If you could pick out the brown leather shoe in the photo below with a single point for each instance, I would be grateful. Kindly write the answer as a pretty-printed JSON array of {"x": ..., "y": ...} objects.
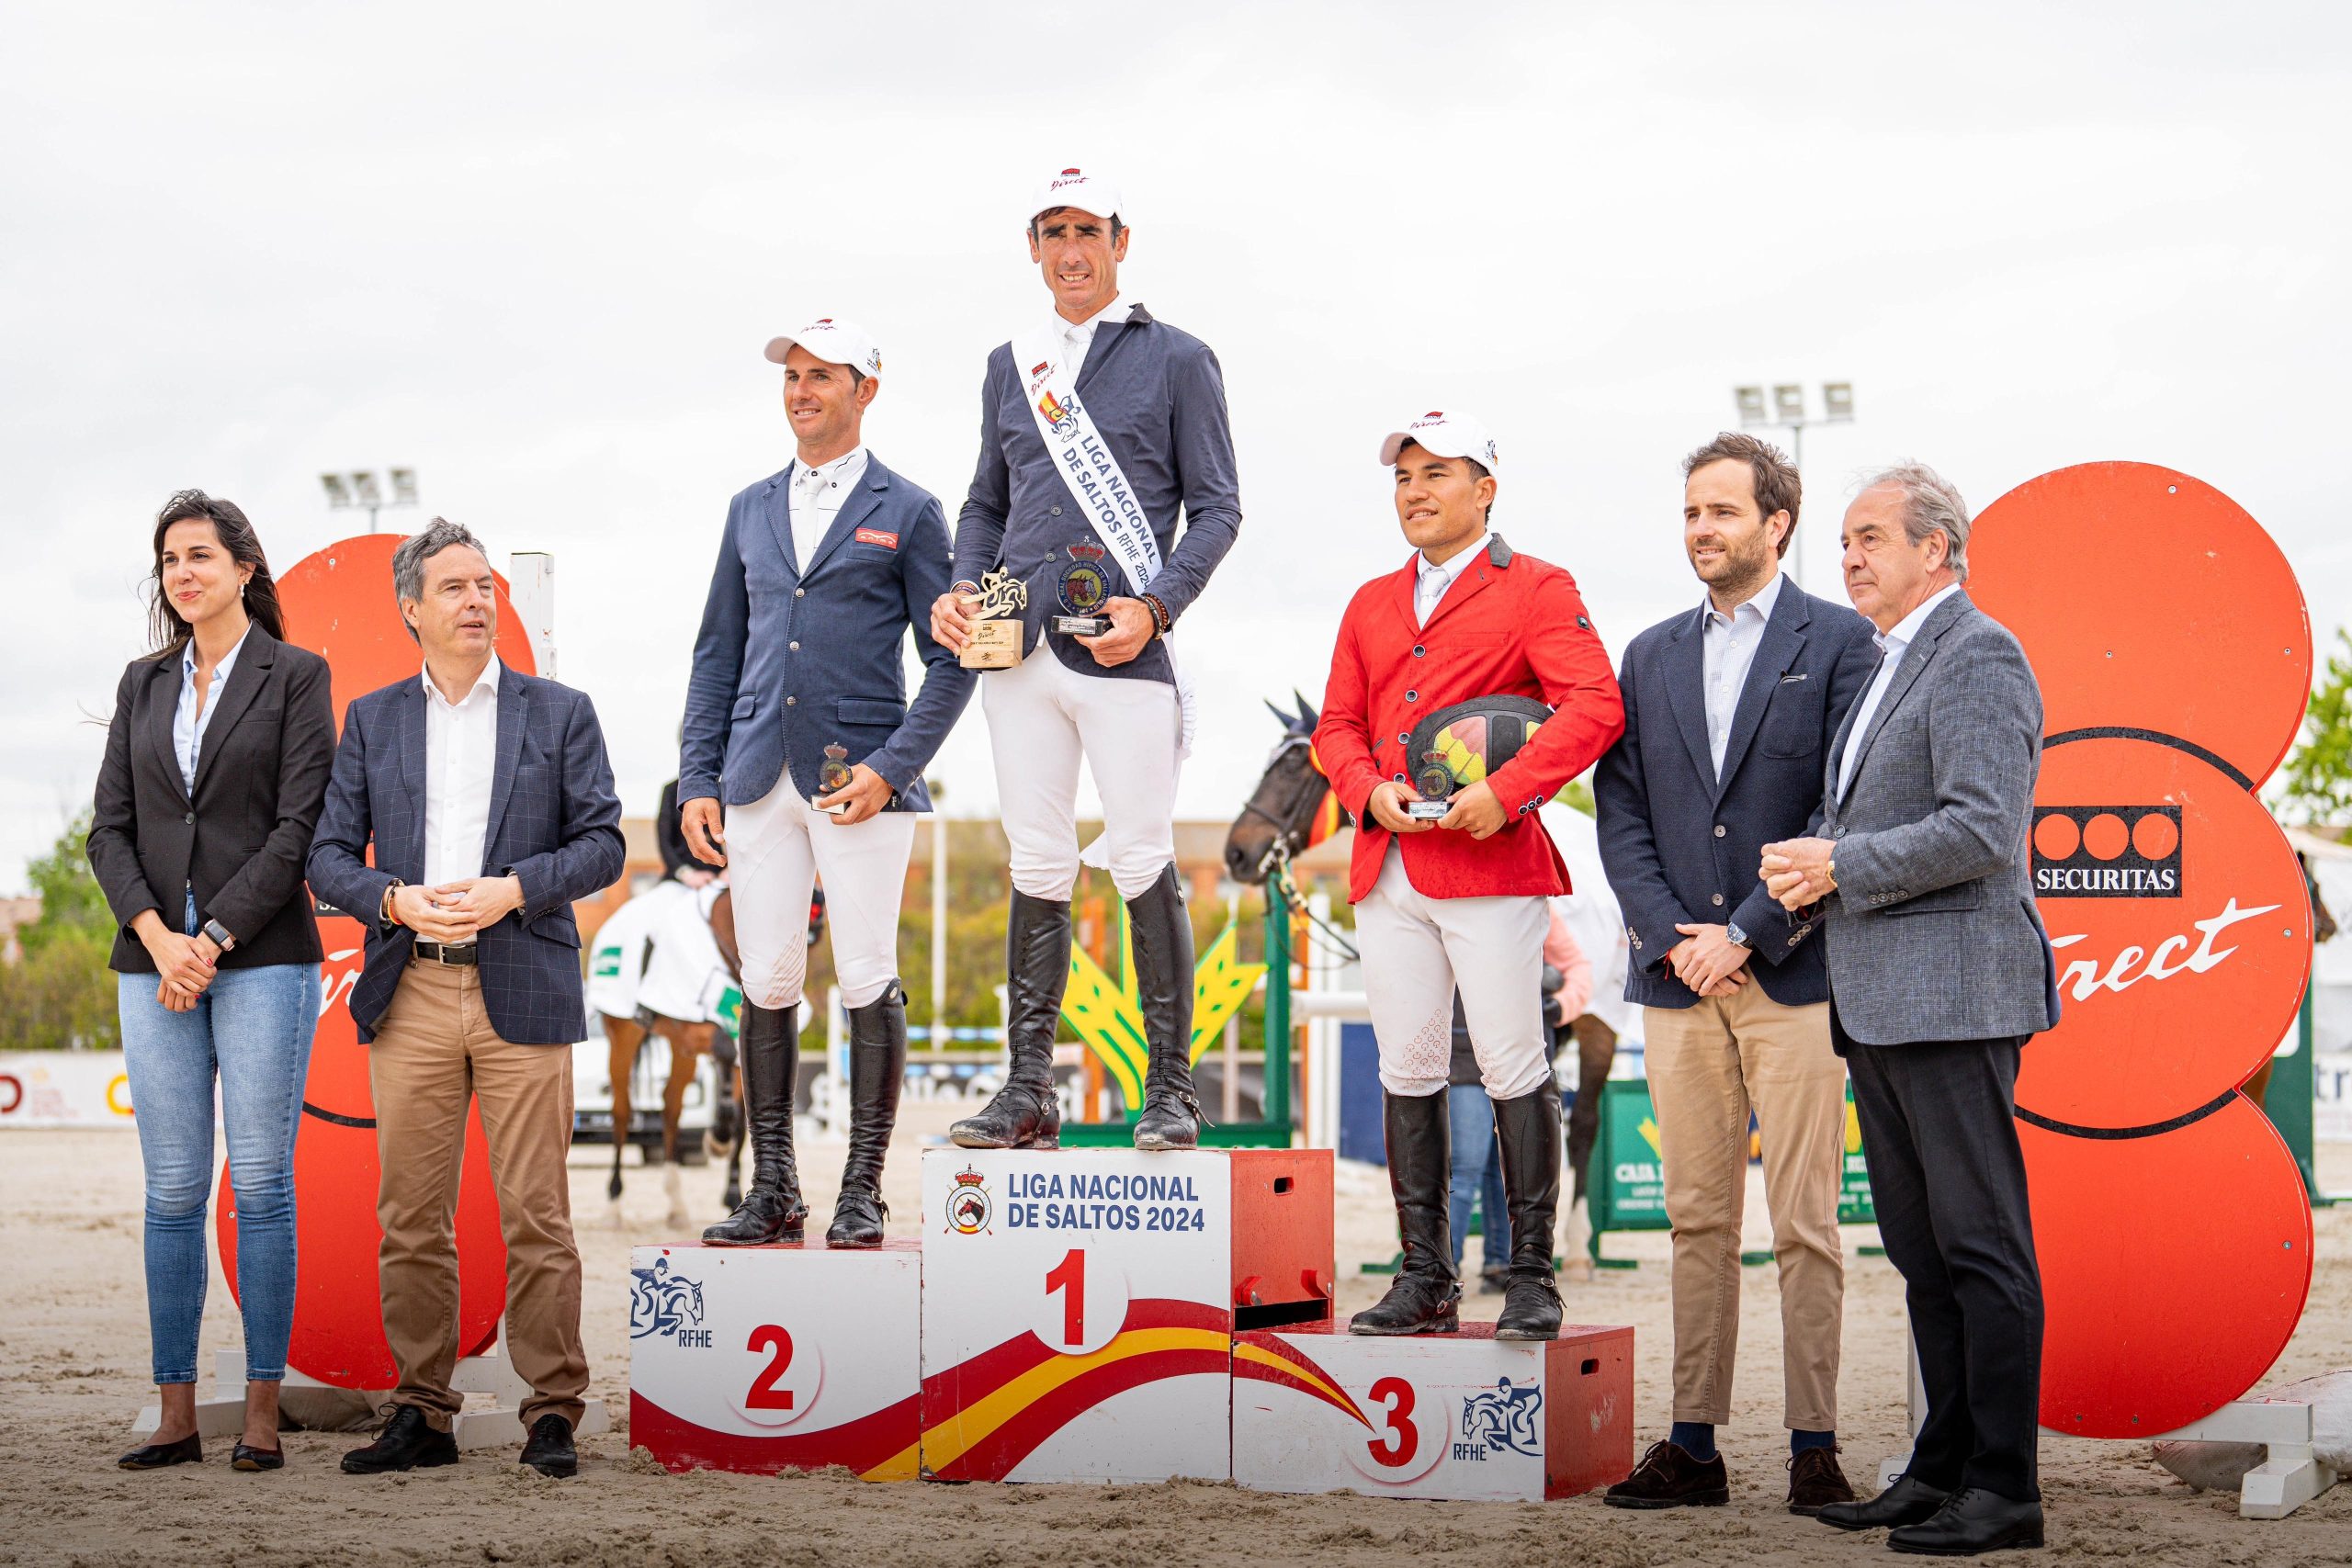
[
  {"x": 1815, "y": 1481},
  {"x": 1668, "y": 1477}
]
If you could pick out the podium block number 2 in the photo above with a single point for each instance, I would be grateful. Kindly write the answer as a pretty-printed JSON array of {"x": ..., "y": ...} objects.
[
  {"x": 764, "y": 1394},
  {"x": 1068, "y": 1277}
]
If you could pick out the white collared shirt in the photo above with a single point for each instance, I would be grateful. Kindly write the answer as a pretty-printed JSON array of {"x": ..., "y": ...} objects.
[
  {"x": 194, "y": 715},
  {"x": 460, "y": 760},
  {"x": 1729, "y": 645},
  {"x": 1892, "y": 646},
  {"x": 1075, "y": 338},
  {"x": 1430, "y": 580},
  {"x": 817, "y": 496}
]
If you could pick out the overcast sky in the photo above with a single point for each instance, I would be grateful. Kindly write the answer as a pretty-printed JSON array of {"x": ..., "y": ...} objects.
[{"x": 534, "y": 253}]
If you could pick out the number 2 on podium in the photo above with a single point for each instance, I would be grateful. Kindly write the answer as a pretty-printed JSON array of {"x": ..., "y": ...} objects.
[
  {"x": 764, "y": 1394},
  {"x": 1068, "y": 1277}
]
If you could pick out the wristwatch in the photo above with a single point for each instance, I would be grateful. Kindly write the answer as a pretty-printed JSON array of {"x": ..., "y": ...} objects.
[
  {"x": 219, "y": 935},
  {"x": 1731, "y": 930}
]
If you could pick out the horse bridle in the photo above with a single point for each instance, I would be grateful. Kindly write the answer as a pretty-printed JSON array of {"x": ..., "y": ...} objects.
[{"x": 1279, "y": 851}]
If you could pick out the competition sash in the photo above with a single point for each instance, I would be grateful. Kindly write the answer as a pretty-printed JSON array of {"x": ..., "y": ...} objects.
[{"x": 1089, "y": 470}]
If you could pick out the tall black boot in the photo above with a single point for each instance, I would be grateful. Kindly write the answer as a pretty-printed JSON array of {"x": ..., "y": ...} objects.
[
  {"x": 772, "y": 1210},
  {"x": 1162, "y": 936},
  {"x": 1528, "y": 1130},
  {"x": 878, "y": 1065},
  {"x": 1426, "y": 1297},
  {"x": 1024, "y": 1115}
]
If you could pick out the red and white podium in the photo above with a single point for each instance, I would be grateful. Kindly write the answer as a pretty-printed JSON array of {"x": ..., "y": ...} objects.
[
  {"x": 765, "y": 1359},
  {"x": 1101, "y": 1314},
  {"x": 1461, "y": 1415}
]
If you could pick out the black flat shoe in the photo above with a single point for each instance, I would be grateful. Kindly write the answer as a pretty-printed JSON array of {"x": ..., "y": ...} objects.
[
  {"x": 155, "y": 1456},
  {"x": 247, "y": 1457}
]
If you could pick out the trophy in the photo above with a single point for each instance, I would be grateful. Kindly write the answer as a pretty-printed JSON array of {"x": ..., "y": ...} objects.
[
  {"x": 1433, "y": 781},
  {"x": 834, "y": 775},
  {"x": 995, "y": 640},
  {"x": 1083, "y": 589}
]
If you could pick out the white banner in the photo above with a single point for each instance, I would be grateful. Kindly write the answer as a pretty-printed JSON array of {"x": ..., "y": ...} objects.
[{"x": 64, "y": 1089}]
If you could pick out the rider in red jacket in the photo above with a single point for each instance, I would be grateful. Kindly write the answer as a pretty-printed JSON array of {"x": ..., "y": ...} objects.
[{"x": 1457, "y": 902}]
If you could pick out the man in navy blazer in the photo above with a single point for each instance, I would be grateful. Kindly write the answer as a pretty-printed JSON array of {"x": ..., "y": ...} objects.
[
  {"x": 797, "y": 720},
  {"x": 489, "y": 799},
  {"x": 1729, "y": 710}
]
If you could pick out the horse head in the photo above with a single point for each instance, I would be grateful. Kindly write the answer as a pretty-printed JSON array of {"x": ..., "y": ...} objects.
[{"x": 1292, "y": 808}]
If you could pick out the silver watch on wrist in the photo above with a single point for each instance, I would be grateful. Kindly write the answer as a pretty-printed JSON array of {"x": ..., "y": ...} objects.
[{"x": 1731, "y": 930}]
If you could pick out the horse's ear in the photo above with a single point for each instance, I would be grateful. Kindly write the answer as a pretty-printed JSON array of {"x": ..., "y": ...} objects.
[
  {"x": 1288, "y": 723},
  {"x": 1308, "y": 717}
]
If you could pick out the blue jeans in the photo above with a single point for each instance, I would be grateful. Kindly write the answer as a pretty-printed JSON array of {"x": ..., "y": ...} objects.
[
  {"x": 1478, "y": 1173},
  {"x": 252, "y": 1027}
]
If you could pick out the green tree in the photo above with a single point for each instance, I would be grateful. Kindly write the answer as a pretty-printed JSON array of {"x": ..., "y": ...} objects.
[
  {"x": 2317, "y": 784},
  {"x": 61, "y": 995}
]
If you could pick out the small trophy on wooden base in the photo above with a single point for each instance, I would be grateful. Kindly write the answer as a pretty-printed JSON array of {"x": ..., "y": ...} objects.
[{"x": 995, "y": 640}]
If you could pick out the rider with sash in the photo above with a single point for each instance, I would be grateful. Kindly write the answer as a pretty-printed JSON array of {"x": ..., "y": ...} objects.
[
  {"x": 796, "y": 718},
  {"x": 1467, "y": 688},
  {"x": 1099, "y": 425}
]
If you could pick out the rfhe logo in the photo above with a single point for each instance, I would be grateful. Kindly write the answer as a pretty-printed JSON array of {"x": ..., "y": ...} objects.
[
  {"x": 2106, "y": 851},
  {"x": 666, "y": 1305}
]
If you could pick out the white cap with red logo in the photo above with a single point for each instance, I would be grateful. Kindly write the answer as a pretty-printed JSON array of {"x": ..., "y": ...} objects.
[
  {"x": 1076, "y": 187},
  {"x": 833, "y": 339},
  {"x": 1448, "y": 434}
]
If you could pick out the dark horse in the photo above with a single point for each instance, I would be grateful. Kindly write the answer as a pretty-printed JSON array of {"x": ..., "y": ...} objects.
[{"x": 1291, "y": 810}]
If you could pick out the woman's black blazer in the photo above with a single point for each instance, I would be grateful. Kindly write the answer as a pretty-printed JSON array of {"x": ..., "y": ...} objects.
[{"x": 261, "y": 777}]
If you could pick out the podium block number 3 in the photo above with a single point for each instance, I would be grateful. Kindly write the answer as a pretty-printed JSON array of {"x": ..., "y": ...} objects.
[{"x": 1395, "y": 1447}]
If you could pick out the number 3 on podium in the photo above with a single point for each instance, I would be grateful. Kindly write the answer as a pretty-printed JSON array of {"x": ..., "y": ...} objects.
[{"x": 1395, "y": 1447}]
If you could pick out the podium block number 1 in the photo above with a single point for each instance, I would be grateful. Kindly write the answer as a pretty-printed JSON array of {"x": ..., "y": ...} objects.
[{"x": 1068, "y": 1277}]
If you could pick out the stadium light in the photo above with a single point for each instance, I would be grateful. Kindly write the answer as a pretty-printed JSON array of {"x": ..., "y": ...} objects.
[
  {"x": 357, "y": 488},
  {"x": 1787, "y": 412}
]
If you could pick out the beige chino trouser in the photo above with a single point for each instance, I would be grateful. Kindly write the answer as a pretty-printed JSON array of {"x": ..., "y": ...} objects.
[
  {"x": 434, "y": 1050},
  {"x": 1707, "y": 1064}
]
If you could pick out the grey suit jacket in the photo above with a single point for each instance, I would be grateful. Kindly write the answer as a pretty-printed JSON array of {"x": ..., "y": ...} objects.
[{"x": 1933, "y": 933}]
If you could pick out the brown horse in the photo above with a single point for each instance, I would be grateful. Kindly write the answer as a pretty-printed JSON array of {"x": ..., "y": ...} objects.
[
  {"x": 1291, "y": 809},
  {"x": 687, "y": 1042}
]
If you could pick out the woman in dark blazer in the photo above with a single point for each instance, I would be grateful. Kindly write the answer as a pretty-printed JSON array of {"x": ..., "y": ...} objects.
[{"x": 216, "y": 766}]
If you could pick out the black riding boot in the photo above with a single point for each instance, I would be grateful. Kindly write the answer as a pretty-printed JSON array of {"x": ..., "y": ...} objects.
[
  {"x": 878, "y": 1065},
  {"x": 772, "y": 1210},
  {"x": 1163, "y": 961},
  {"x": 1024, "y": 1115},
  {"x": 1528, "y": 1131},
  {"x": 1425, "y": 1298}
]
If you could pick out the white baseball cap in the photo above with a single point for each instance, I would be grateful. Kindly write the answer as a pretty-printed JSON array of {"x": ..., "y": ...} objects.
[
  {"x": 1449, "y": 434},
  {"x": 835, "y": 340},
  {"x": 1076, "y": 187}
]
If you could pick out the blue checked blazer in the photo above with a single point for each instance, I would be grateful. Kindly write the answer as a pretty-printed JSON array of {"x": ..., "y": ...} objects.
[
  {"x": 555, "y": 824},
  {"x": 1681, "y": 848}
]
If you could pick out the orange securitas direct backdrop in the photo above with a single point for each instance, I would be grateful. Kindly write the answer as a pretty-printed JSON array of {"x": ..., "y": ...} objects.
[
  {"x": 2175, "y": 658},
  {"x": 339, "y": 604}
]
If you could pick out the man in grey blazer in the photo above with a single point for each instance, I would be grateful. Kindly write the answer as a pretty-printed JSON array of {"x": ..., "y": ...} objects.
[{"x": 1939, "y": 971}]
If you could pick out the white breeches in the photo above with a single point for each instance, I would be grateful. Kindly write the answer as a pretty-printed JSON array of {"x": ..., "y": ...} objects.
[
  {"x": 776, "y": 849},
  {"x": 1043, "y": 716},
  {"x": 1418, "y": 952}
]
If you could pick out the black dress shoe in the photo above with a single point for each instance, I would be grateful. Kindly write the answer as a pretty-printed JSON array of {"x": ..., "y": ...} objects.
[
  {"x": 1907, "y": 1501},
  {"x": 1668, "y": 1477},
  {"x": 155, "y": 1456},
  {"x": 1975, "y": 1520},
  {"x": 407, "y": 1442},
  {"x": 247, "y": 1457},
  {"x": 550, "y": 1449}
]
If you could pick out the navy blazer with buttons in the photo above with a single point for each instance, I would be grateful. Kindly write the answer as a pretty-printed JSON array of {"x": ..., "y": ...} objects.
[
  {"x": 1681, "y": 849},
  {"x": 555, "y": 825},
  {"x": 793, "y": 658}
]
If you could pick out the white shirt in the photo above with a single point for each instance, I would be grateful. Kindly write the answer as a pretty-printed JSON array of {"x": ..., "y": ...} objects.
[
  {"x": 460, "y": 755},
  {"x": 1892, "y": 646},
  {"x": 1729, "y": 648},
  {"x": 189, "y": 724},
  {"x": 1430, "y": 580},
  {"x": 1075, "y": 338},
  {"x": 817, "y": 497}
]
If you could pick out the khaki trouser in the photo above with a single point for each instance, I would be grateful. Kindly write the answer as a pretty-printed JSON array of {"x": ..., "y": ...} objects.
[
  {"x": 1707, "y": 1066},
  {"x": 433, "y": 1050}
]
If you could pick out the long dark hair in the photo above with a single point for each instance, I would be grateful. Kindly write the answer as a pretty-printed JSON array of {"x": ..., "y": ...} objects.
[{"x": 167, "y": 629}]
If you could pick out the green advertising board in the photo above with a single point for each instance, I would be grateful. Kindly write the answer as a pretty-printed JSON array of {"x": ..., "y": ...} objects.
[{"x": 1627, "y": 1180}]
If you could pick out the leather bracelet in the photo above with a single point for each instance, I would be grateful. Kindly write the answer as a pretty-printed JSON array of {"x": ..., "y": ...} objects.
[
  {"x": 384, "y": 915},
  {"x": 1161, "y": 619}
]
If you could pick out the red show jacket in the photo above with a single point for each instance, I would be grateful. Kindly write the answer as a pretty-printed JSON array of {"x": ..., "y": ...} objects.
[{"x": 1511, "y": 624}]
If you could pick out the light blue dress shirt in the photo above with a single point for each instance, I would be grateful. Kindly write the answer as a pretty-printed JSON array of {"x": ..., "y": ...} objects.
[{"x": 189, "y": 724}]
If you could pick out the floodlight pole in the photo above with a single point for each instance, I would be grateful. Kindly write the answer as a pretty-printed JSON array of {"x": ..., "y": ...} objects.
[{"x": 1753, "y": 419}]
